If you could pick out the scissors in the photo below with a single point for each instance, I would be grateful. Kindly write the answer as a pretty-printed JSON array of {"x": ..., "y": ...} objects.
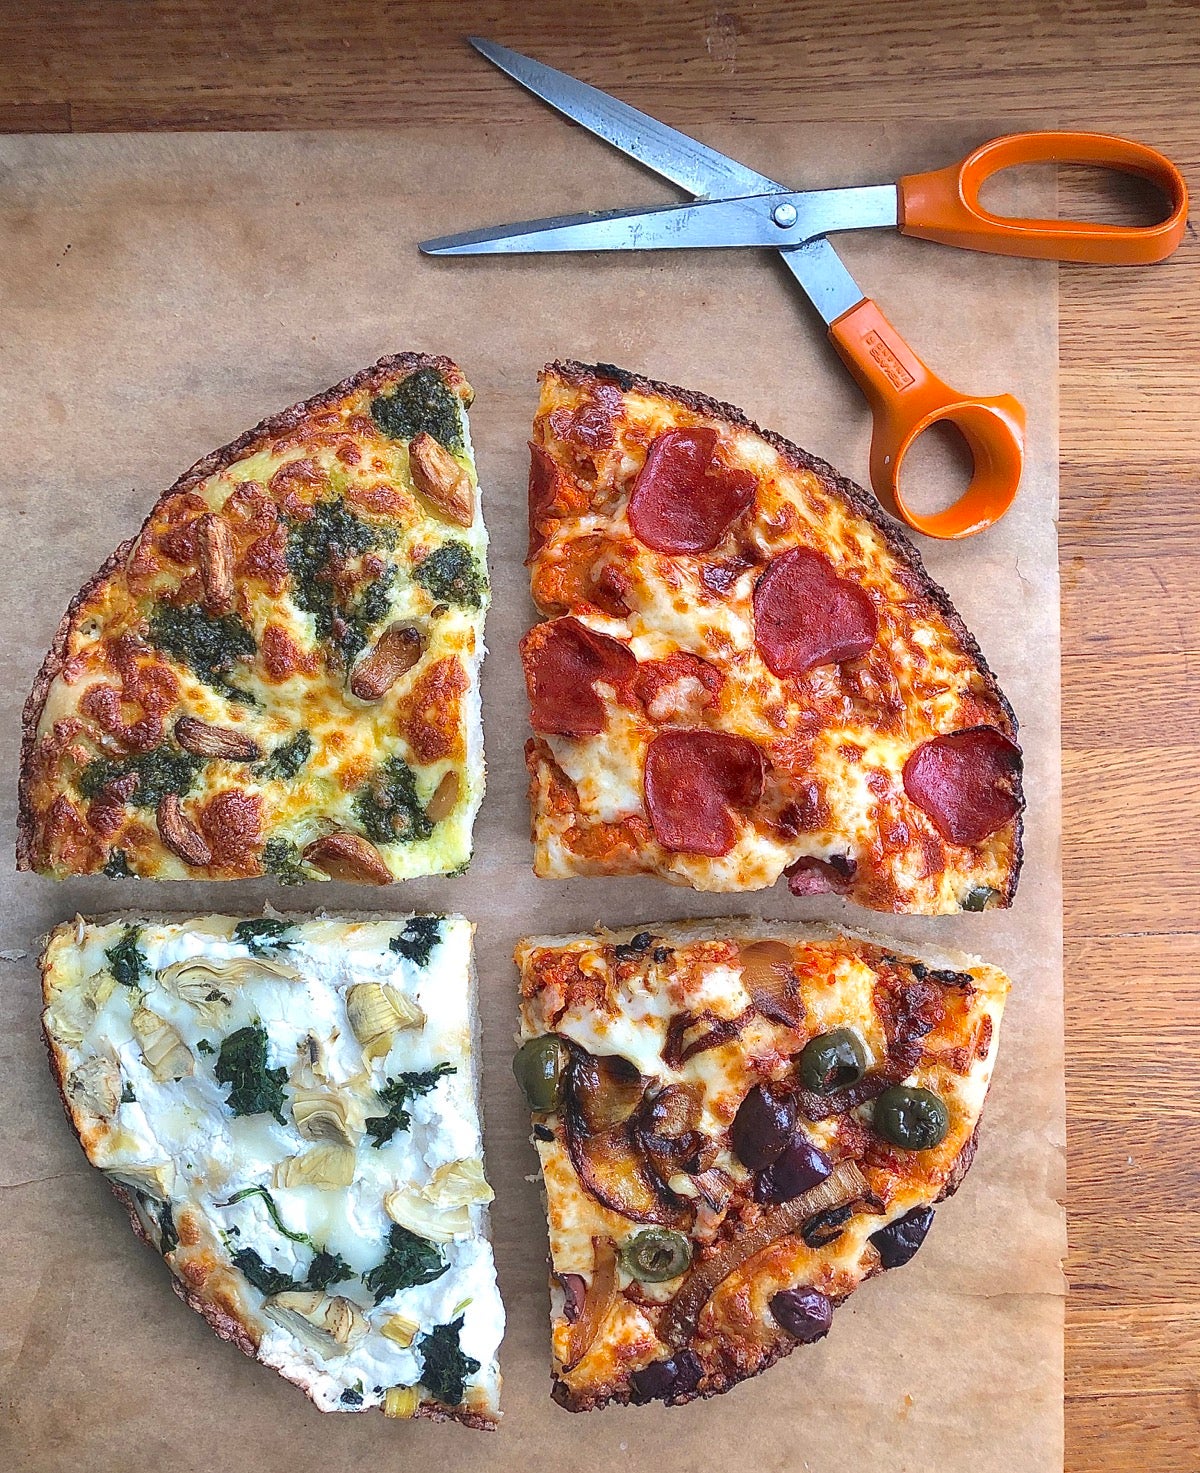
[{"x": 735, "y": 206}]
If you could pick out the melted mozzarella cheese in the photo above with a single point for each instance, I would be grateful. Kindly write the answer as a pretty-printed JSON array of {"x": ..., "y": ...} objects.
[{"x": 213, "y": 1157}]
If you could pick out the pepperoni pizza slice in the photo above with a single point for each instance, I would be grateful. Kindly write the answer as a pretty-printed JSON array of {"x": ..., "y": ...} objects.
[
  {"x": 280, "y": 673},
  {"x": 744, "y": 669},
  {"x": 738, "y": 1122}
]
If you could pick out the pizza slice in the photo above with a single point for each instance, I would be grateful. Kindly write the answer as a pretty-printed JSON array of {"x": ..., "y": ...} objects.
[
  {"x": 280, "y": 673},
  {"x": 288, "y": 1109},
  {"x": 738, "y": 1122},
  {"x": 744, "y": 669}
]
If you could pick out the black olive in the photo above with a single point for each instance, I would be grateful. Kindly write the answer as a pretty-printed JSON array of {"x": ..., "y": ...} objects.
[
  {"x": 900, "y": 1239},
  {"x": 574, "y": 1293},
  {"x": 911, "y": 1118},
  {"x": 661, "y": 954},
  {"x": 800, "y": 1168},
  {"x": 655, "y": 1255},
  {"x": 762, "y": 1127},
  {"x": 946, "y": 978},
  {"x": 832, "y": 1061},
  {"x": 542, "y": 1133},
  {"x": 667, "y": 1378},
  {"x": 805, "y": 1314},
  {"x": 538, "y": 1066},
  {"x": 629, "y": 950},
  {"x": 826, "y": 1226}
]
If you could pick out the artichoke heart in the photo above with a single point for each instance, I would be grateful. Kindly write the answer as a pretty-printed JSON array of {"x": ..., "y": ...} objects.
[
  {"x": 376, "y": 1011},
  {"x": 328, "y": 1324},
  {"x": 413, "y": 1210},
  {"x": 164, "y": 1052},
  {"x": 95, "y": 1086},
  {"x": 322, "y": 1115},
  {"x": 206, "y": 983},
  {"x": 329, "y": 1166},
  {"x": 155, "y": 1178},
  {"x": 74, "y": 1009},
  {"x": 459, "y": 1184}
]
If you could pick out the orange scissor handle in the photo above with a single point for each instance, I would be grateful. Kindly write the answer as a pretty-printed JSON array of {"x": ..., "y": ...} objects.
[
  {"x": 905, "y": 399},
  {"x": 944, "y": 205}
]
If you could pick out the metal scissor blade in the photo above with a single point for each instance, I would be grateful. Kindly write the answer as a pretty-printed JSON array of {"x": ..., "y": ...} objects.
[
  {"x": 750, "y": 220},
  {"x": 702, "y": 171}
]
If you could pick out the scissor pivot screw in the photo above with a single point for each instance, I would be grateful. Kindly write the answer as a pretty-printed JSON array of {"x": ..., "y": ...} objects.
[{"x": 784, "y": 215}]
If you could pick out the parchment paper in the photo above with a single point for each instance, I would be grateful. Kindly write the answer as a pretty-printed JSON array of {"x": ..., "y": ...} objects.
[{"x": 160, "y": 294}]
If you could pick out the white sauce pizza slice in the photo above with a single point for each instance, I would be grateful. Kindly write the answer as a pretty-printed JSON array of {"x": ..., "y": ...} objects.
[
  {"x": 280, "y": 673},
  {"x": 745, "y": 670},
  {"x": 288, "y": 1109},
  {"x": 738, "y": 1122}
]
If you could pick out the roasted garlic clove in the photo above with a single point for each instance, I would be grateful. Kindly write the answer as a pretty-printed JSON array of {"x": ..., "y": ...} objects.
[
  {"x": 328, "y": 1166},
  {"x": 350, "y": 857},
  {"x": 180, "y": 834},
  {"x": 441, "y": 479},
  {"x": 445, "y": 796},
  {"x": 203, "y": 739},
  {"x": 395, "y": 652},
  {"x": 165, "y": 1054}
]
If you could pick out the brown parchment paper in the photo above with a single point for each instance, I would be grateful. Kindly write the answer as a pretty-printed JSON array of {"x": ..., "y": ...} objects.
[{"x": 159, "y": 295}]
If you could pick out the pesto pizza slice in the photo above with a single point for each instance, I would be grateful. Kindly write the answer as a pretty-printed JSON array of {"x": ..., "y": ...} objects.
[
  {"x": 738, "y": 1122},
  {"x": 279, "y": 673},
  {"x": 288, "y": 1110}
]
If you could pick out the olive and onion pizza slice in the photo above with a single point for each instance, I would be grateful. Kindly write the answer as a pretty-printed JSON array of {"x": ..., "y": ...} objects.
[
  {"x": 744, "y": 670},
  {"x": 280, "y": 673},
  {"x": 738, "y": 1122}
]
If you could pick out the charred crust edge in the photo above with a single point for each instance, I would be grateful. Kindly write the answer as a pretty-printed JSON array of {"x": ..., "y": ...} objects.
[
  {"x": 387, "y": 371},
  {"x": 861, "y": 502}
]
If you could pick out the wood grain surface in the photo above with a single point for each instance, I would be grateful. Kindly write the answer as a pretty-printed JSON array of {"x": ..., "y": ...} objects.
[{"x": 1130, "y": 523}]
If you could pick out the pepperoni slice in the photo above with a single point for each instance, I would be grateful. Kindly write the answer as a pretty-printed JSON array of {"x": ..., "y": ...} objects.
[
  {"x": 563, "y": 660},
  {"x": 680, "y": 501},
  {"x": 968, "y": 782},
  {"x": 692, "y": 780},
  {"x": 542, "y": 474},
  {"x": 805, "y": 615}
]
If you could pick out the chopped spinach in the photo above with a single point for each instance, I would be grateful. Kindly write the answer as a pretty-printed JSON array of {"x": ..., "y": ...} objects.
[
  {"x": 326, "y": 1269},
  {"x": 352, "y": 1396},
  {"x": 168, "y": 1236},
  {"x": 266, "y": 1279},
  {"x": 318, "y": 551},
  {"x": 272, "y": 1212},
  {"x": 416, "y": 942},
  {"x": 159, "y": 771},
  {"x": 242, "y": 1064},
  {"x": 210, "y": 644},
  {"x": 127, "y": 1095},
  {"x": 423, "y": 401},
  {"x": 116, "y": 866},
  {"x": 264, "y": 936},
  {"x": 126, "y": 959},
  {"x": 396, "y": 1094},
  {"x": 287, "y": 759},
  {"x": 388, "y": 808},
  {"x": 446, "y": 1367},
  {"x": 204, "y": 1047},
  {"x": 451, "y": 575},
  {"x": 409, "y": 1260},
  {"x": 281, "y": 858}
]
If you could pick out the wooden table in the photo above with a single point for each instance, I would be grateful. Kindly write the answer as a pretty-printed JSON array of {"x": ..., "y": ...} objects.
[{"x": 1130, "y": 526}]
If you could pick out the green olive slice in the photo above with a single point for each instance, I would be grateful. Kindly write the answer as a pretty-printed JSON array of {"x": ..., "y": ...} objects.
[
  {"x": 832, "y": 1061},
  {"x": 655, "y": 1255},
  {"x": 913, "y": 1119}
]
